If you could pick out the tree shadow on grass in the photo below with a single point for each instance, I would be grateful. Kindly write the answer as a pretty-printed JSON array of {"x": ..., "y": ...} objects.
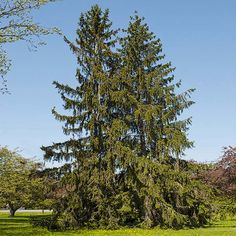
[
  {"x": 13, "y": 220},
  {"x": 20, "y": 219},
  {"x": 19, "y": 232},
  {"x": 2, "y": 224},
  {"x": 6, "y": 228}
]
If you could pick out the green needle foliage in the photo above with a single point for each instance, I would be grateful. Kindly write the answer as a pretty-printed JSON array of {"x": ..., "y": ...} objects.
[{"x": 125, "y": 138}]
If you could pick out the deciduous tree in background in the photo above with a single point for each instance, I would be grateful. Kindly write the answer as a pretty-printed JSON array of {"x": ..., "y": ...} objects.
[
  {"x": 48, "y": 187},
  {"x": 17, "y": 24},
  {"x": 221, "y": 176},
  {"x": 16, "y": 186}
]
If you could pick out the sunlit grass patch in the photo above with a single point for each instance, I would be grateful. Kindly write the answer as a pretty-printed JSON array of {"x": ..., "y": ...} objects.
[{"x": 20, "y": 226}]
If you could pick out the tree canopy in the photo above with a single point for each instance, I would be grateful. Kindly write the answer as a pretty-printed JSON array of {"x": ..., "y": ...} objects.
[
  {"x": 220, "y": 176},
  {"x": 17, "y": 24},
  {"x": 16, "y": 186}
]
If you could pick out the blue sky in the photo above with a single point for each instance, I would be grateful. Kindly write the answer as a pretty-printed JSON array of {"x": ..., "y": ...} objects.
[{"x": 198, "y": 38}]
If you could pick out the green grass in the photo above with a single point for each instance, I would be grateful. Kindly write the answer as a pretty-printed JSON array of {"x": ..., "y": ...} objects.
[{"x": 19, "y": 226}]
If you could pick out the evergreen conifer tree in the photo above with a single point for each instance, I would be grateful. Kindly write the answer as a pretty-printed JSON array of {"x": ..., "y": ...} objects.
[
  {"x": 91, "y": 171},
  {"x": 156, "y": 137},
  {"x": 126, "y": 137}
]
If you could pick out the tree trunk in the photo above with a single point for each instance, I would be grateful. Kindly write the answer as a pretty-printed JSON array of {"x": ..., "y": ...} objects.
[
  {"x": 149, "y": 219},
  {"x": 12, "y": 212},
  {"x": 142, "y": 137}
]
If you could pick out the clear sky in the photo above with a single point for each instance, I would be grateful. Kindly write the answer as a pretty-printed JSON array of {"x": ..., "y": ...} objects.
[{"x": 199, "y": 38}]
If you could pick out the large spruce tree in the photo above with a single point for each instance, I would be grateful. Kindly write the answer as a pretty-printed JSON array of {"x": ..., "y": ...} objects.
[
  {"x": 125, "y": 136},
  {"x": 160, "y": 190},
  {"x": 89, "y": 122}
]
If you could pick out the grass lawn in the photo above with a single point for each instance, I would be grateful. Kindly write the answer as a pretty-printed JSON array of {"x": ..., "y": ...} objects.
[{"x": 19, "y": 226}]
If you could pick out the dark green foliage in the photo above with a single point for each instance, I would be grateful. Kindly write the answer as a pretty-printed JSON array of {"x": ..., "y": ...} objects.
[
  {"x": 125, "y": 138},
  {"x": 43, "y": 221}
]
